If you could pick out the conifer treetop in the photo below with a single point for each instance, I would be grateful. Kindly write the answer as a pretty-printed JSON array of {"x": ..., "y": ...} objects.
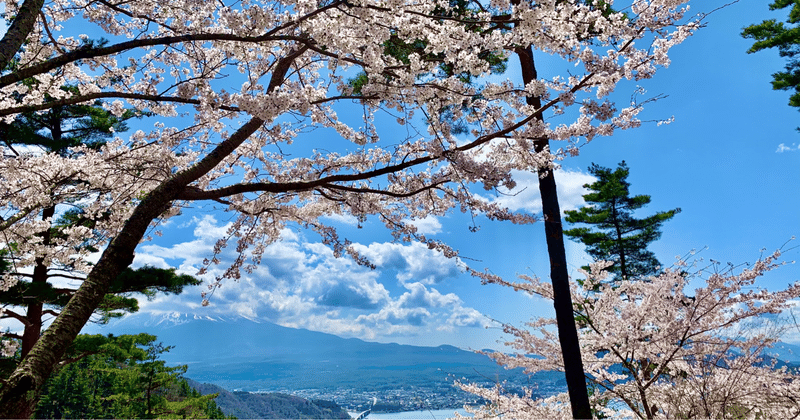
[{"x": 614, "y": 233}]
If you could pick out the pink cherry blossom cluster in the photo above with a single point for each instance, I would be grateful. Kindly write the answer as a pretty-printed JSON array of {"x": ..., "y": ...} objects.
[{"x": 660, "y": 346}]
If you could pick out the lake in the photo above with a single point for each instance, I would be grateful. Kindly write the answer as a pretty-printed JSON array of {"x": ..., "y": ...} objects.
[{"x": 415, "y": 415}]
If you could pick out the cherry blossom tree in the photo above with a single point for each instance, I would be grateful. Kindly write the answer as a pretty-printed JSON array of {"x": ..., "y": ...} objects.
[
  {"x": 658, "y": 347},
  {"x": 57, "y": 130},
  {"x": 243, "y": 92}
]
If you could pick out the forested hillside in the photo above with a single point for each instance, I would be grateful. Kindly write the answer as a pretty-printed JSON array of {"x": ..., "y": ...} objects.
[
  {"x": 123, "y": 377},
  {"x": 270, "y": 406}
]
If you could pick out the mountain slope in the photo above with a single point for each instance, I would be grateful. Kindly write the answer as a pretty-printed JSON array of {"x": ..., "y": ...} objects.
[
  {"x": 789, "y": 353},
  {"x": 246, "y": 355}
]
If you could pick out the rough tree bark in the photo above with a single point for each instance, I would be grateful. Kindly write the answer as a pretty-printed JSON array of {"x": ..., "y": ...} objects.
[
  {"x": 19, "y": 30},
  {"x": 562, "y": 300}
]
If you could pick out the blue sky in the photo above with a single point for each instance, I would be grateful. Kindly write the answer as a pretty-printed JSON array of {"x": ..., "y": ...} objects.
[{"x": 730, "y": 161}]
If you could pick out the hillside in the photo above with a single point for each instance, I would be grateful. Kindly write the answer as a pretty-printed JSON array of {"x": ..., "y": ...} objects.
[
  {"x": 244, "y": 355},
  {"x": 245, "y": 405}
]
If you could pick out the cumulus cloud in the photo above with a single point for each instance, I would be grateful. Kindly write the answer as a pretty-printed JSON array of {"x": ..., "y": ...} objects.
[
  {"x": 301, "y": 284},
  {"x": 525, "y": 196},
  {"x": 351, "y": 296},
  {"x": 465, "y": 317},
  {"x": 427, "y": 226},
  {"x": 151, "y": 260},
  {"x": 413, "y": 262},
  {"x": 396, "y": 315},
  {"x": 419, "y": 296},
  {"x": 418, "y": 309}
]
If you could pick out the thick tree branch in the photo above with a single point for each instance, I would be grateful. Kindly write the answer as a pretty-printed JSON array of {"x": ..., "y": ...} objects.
[
  {"x": 7, "y": 223},
  {"x": 77, "y": 99},
  {"x": 7, "y": 313},
  {"x": 67, "y": 276},
  {"x": 89, "y": 52},
  {"x": 12, "y": 335},
  {"x": 19, "y": 30},
  {"x": 383, "y": 192}
]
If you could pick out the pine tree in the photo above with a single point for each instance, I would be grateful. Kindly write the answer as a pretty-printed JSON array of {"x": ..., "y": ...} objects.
[
  {"x": 614, "y": 234},
  {"x": 122, "y": 377},
  {"x": 62, "y": 127},
  {"x": 786, "y": 38}
]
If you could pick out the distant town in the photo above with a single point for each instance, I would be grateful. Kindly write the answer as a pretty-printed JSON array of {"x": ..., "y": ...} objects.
[
  {"x": 436, "y": 396},
  {"x": 395, "y": 400}
]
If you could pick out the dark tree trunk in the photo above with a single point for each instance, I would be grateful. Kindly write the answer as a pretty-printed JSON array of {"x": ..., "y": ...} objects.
[
  {"x": 19, "y": 30},
  {"x": 623, "y": 268},
  {"x": 562, "y": 300},
  {"x": 34, "y": 313}
]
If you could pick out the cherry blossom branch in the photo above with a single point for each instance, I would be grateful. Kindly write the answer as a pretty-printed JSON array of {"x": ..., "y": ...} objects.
[
  {"x": 7, "y": 223},
  {"x": 88, "y": 51},
  {"x": 77, "y": 99},
  {"x": 136, "y": 16},
  {"x": 49, "y": 34},
  {"x": 382, "y": 192},
  {"x": 194, "y": 194}
]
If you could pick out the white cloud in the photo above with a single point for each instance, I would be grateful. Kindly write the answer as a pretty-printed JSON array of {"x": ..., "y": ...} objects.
[
  {"x": 394, "y": 317},
  {"x": 465, "y": 317},
  {"x": 345, "y": 219},
  {"x": 151, "y": 260},
  {"x": 11, "y": 324},
  {"x": 419, "y": 296},
  {"x": 331, "y": 323},
  {"x": 207, "y": 228},
  {"x": 413, "y": 263},
  {"x": 525, "y": 196},
  {"x": 784, "y": 148},
  {"x": 427, "y": 226},
  {"x": 301, "y": 284}
]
